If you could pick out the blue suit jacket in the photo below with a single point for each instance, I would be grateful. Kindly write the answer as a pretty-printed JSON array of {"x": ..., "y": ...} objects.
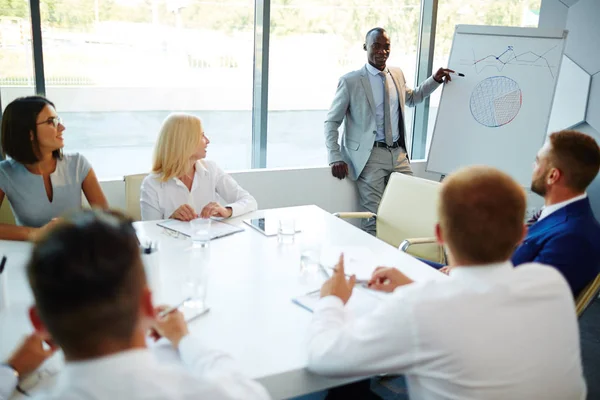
[{"x": 567, "y": 239}]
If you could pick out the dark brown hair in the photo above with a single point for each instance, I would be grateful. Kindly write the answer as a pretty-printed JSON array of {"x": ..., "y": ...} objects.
[
  {"x": 577, "y": 156},
  {"x": 18, "y": 121},
  {"x": 87, "y": 279}
]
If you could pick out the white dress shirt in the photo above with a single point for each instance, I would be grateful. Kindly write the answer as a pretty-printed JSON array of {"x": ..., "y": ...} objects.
[
  {"x": 158, "y": 200},
  {"x": 491, "y": 332},
  {"x": 378, "y": 92},
  {"x": 137, "y": 374},
  {"x": 8, "y": 382},
  {"x": 547, "y": 210}
]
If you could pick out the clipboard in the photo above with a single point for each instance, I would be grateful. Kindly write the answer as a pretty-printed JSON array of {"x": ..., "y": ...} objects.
[{"x": 218, "y": 229}]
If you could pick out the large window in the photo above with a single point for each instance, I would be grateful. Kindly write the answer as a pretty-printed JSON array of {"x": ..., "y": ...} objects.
[
  {"x": 16, "y": 60},
  {"x": 523, "y": 13},
  {"x": 116, "y": 69},
  {"x": 313, "y": 43}
]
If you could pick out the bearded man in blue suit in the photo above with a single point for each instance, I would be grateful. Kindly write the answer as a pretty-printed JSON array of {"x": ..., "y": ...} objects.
[{"x": 564, "y": 234}]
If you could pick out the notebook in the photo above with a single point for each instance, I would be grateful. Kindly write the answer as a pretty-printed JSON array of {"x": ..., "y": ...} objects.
[
  {"x": 217, "y": 228},
  {"x": 360, "y": 303}
]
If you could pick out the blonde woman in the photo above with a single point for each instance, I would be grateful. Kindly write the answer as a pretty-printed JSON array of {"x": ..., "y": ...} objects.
[{"x": 183, "y": 185}]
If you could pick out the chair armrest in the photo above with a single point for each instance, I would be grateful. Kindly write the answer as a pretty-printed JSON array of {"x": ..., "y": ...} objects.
[
  {"x": 409, "y": 242},
  {"x": 359, "y": 215}
]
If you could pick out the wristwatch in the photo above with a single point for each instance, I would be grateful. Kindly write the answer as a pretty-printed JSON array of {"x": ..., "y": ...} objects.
[{"x": 15, "y": 372}]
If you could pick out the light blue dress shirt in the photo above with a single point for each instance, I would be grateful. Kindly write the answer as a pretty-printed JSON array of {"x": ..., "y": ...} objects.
[
  {"x": 27, "y": 194},
  {"x": 378, "y": 92}
]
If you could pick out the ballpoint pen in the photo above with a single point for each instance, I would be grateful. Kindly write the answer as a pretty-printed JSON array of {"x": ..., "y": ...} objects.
[
  {"x": 170, "y": 310},
  {"x": 2, "y": 263},
  {"x": 358, "y": 281}
]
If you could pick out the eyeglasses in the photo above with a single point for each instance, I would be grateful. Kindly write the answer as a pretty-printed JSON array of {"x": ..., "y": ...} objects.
[
  {"x": 52, "y": 120},
  {"x": 173, "y": 233}
]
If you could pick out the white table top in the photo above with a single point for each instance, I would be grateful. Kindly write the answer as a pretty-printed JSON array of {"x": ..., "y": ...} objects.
[{"x": 252, "y": 281}]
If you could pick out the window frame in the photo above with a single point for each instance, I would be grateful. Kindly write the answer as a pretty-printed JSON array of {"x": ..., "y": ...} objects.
[{"x": 262, "y": 11}]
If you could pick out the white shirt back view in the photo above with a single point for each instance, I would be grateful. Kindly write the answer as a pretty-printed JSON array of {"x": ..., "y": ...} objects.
[
  {"x": 490, "y": 332},
  {"x": 137, "y": 374}
]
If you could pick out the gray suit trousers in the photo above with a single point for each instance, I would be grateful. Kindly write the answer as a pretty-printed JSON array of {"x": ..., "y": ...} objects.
[{"x": 374, "y": 177}]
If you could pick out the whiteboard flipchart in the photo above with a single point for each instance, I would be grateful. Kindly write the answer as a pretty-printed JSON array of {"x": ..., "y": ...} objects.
[{"x": 498, "y": 113}]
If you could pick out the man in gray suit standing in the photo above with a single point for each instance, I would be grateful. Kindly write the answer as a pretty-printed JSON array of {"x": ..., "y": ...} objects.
[{"x": 370, "y": 102}]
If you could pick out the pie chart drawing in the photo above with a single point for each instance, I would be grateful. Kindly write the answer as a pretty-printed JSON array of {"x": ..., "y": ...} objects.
[{"x": 496, "y": 101}]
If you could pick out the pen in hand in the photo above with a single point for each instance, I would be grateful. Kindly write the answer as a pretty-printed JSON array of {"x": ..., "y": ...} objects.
[
  {"x": 168, "y": 311},
  {"x": 358, "y": 281}
]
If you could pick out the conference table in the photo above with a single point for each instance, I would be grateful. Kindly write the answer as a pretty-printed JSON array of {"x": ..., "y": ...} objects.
[{"x": 252, "y": 280}]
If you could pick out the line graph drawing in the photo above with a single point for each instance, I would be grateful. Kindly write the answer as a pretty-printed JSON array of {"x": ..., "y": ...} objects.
[
  {"x": 495, "y": 101},
  {"x": 510, "y": 57}
]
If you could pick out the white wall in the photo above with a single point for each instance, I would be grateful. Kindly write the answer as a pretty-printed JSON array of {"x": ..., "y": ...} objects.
[
  {"x": 277, "y": 188},
  {"x": 579, "y": 17},
  {"x": 553, "y": 14},
  {"x": 274, "y": 188}
]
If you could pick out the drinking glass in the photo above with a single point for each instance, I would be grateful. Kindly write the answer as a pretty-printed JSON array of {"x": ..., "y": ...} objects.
[
  {"x": 200, "y": 232},
  {"x": 286, "y": 231}
]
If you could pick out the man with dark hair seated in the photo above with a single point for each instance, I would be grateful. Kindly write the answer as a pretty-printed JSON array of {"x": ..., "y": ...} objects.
[
  {"x": 92, "y": 298},
  {"x": 564, "y": 234}
]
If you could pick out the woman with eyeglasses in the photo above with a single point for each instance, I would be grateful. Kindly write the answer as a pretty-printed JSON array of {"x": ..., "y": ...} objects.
[
  {"x": 40, "y": 182},
  {"x": 183, "y": 185}
]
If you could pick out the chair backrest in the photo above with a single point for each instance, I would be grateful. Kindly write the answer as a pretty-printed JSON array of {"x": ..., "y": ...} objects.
[
  {"x": 6, "y": 214},
  {"x": 587, "y": 295},
  {"x": 132, "y": 195},
  {"x": 408, "y": 209}
]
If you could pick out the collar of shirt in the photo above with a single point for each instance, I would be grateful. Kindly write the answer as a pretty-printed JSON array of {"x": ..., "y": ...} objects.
[
  {"x": 374, "y": 71},
  {"x": 200, "y": 171},
  {"x": 487, "y": 272},
  {"x": 555, "y": 207},
  {"x": 104, "y": 366}
]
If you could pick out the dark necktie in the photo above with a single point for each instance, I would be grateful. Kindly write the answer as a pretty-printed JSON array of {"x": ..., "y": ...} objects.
[
  {"x": 534, "y": 218},
  {"x": 387, "y": 119}
]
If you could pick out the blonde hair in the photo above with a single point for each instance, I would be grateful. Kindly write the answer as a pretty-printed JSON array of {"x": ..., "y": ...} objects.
[
  {"x": 481, "y": 214},
  {"x": 179, "y": 137}
]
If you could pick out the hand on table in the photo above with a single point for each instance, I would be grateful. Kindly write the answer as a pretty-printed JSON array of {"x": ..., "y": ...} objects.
[
  {"x": 337, "y": 285},
  {"x": 214, "y": 209},
  {"x": 171, "y": 326},
  {"x": 387, "y": 279},
  {"x": 31, "y": 354},
  {"x": 40, "y": 232},
  {"x": 184, "y": 212},
  {"x": 339, "y": 169}
]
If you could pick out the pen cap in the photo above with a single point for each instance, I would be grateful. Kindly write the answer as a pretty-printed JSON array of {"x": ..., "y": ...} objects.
[{"x": 151, "y": 260}]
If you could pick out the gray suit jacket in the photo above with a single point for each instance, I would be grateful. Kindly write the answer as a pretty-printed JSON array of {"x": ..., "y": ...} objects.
[{"x": 354, "y": 105}]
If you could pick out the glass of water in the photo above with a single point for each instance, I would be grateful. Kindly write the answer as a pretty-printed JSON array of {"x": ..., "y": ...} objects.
[
  {"x": 200, "y": 228},
  {"x": 286, "y": 231},
  {"x": 196, "y": 284},
  {"x": 312, "y": 271}
]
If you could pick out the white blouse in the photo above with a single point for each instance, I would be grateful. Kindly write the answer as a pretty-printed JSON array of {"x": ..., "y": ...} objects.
[{"x": 158, "y": 200}]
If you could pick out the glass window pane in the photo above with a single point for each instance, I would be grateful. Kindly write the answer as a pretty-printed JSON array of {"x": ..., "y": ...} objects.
[
  {"x": 16, "y": 58},
  {"x": 313, "y": 43},
  {"x": 116, "y": 69},
  {"x": 522, "y": 13}
]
